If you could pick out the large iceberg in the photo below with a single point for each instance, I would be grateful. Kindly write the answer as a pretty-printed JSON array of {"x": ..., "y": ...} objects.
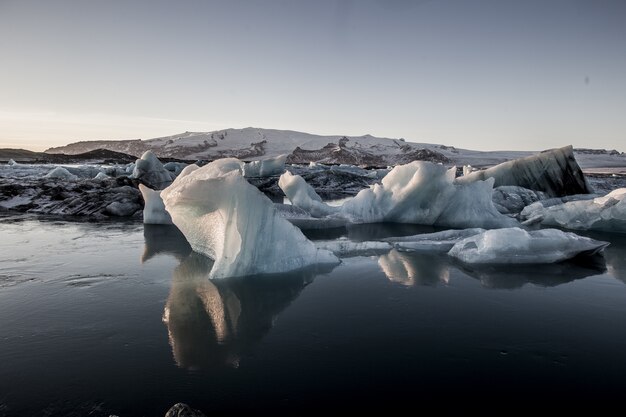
[
  {"x": 229, "y": 220},
  {"x": 554, "y": 172},
  {"x": 150, "y": 171},
  {"x": 606, "y": 213},
  {"x": 420, "y": 193},
  {"x": 518, "y": 246}
]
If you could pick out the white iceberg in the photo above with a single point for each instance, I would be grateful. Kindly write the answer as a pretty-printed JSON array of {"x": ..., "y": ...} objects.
[
  {"x": 606, "y": 213},
  {"x": 517, "y": 246},
  {"x": 432, "y": 242},
  {"x": 12, "y": 162},
  {"x": 151, "y": 172},
  {"x": 101, "y": 176},
  {"x": 420, "y": 193},
  {"x": 229, "y": 220},
  {"x": 265, "y": 167},
  {"x": 61, "y": 173},
  {"x": 154, "y": 210}
]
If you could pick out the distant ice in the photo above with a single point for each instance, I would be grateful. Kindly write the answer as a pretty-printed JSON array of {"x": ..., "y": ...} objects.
[
  {"x": 433, "y": 242},
  {"x": 265, "y": 167},
  {"x": 61, "y": 173},
  {"x": 151, "y": 172},
  {"x": 517, "y": 246}
]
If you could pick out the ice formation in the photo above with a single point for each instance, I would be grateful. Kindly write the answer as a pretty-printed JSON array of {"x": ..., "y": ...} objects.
[
  {"x": 61, "y": 173},
  {"x": 12, "y": 162},
  {"x": 511, "y": 199},
  {"x": 346, "y": 248},
  {"x": 265, "y": 167},
  {"x": 302, "y": 195},
  {"x": 554, "y": 172},
  {"x": 516, "y": 246},
  {"x": 154, "y": 210},
  {"x": 432, "y": 242},
  {"x": 150, "y": 171},
  {"x": 101, "y": 176},
  {"x": 229, "y": 220},
  {"x": 420, "y": 192},
  {"x": 606, "y": 213}
]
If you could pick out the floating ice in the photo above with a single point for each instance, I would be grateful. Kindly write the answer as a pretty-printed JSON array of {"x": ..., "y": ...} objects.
[
  {"x": 265, "y": 167},
  {"x": 229, "y": 220},
  {"x": 12, "y": 162},
  {"x": 419, "y": 192},
  {"x": 101, "y": 176},
  {"x": 606, "y": 213},
  {"x": 302, "y": 195},
  {"x": 154, "y": 210},
  {"x": 61, "y": 173},
  {"x": 346, "y": 248},
  {"x": 517, "y": 246},
  {"x": 432, "y": 242},
  {"x": 511, "y": 199},
  {"x": 554, "y": 172},
  {"x": 151, "y": 172}
]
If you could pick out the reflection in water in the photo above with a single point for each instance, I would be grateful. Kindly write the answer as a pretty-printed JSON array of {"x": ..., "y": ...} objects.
[
  {"x": 214, "y": 322},
  {"x": 550, "y": 275},
  {"x": 160, "y": 238},
  {"x": 410, "y": 268}
]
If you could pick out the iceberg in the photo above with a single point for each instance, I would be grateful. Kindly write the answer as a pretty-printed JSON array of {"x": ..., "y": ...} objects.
[
  {"x": 344, "y": 248},
  {"x": 229, "y": 220},
  {"x": 151, "y": 172},
  {"x": 265, "y": 167},
  {"x": 554, "y": 172},
  {"x": 101, "y": 176},
  {"x": 61, "y": 173},
  {"x": 511, "y": 199},
  {"x": 153, "y": 210},
  {"x": 606, "y": 213},
  {"x": 419, "y": 192},
  {"x": 517, "y": 246}
]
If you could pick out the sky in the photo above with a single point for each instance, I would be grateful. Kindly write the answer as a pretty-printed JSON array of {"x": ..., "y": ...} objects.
[{"x": 477, "y": 74}]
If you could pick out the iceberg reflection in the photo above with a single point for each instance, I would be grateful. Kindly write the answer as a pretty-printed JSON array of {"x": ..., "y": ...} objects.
[
  {"x": 411, "y": 268},
  {"x": 213, "y": 322}
]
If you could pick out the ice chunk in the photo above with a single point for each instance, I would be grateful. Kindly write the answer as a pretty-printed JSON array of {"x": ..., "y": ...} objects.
[
  {"x": 419, "y": 192},
  {"x": 432, "y": 242},
  {"x": 554, "y": 172},
  {"x": 606, "y": 213},
  {"x": 516, "y": 246},
  {"x": 175, "y": 167},
  {"x": 121, "y": 208},
  {"x": 154, "y": 210},
  {"x": 512, "y": 199},
  {"x": 61, "y": 173},
  {"x": 151, "y": 172},
  {"x": 265, "y": 167},
  {"x": 12, "y": 162},
  {"x": 302, "y": 195},
  {"x": 101, "y": 176},
  {"x": 229, "y": 220},
  {"x": 346, "y": 248}
]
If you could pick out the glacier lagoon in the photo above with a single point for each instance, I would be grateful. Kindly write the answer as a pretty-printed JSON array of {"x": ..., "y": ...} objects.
[{"x": 121, "y": 318}]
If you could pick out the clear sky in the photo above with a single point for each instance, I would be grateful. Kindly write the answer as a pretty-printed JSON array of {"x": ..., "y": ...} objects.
[{"x": 481, "y": 74}]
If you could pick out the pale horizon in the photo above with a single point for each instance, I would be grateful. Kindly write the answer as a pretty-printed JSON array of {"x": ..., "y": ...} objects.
[{"x": 490, "y": 75}]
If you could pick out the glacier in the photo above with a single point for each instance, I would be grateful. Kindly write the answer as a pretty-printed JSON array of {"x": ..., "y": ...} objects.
[
  {"x": 517, "y": 246},
  {"x": 227, "y": 219},
  {"x": 419, "y": 192},
  {"x": 607, "y": 213}
]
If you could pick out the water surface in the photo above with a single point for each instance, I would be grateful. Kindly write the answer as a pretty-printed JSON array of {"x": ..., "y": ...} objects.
[{"x": 112, "y": 318}]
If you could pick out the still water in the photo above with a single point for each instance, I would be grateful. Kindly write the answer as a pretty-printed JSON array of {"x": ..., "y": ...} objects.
[{"x": 115, "y": 318}]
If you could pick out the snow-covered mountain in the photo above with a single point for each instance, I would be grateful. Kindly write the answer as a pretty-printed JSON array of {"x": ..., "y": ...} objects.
[{"x": 255, "y": 143}]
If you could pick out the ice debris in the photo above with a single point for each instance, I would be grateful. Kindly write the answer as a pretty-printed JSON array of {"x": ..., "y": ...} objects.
[
  {"x": 265, "y": 167},
  {"x": 517, "y": 246},
  {"x": 61, "y": 173},
  {"x": 432, "y": 242},
  {"x": 229, "y": 220},
  {"x": 606, "y": 213}
]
